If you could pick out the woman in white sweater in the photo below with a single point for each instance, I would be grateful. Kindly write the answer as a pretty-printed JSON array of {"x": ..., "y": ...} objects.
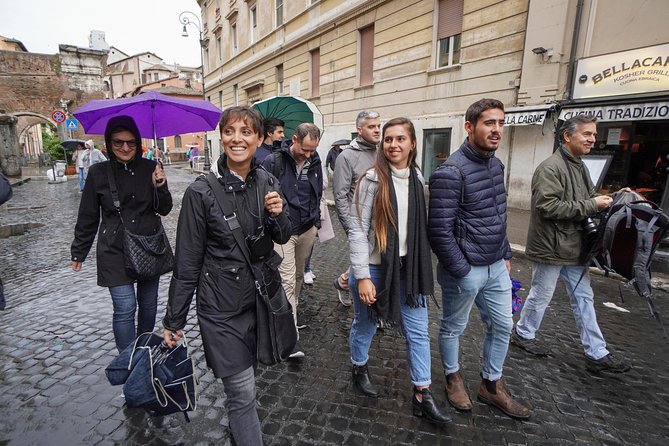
[{"x": 391, "y": 264}]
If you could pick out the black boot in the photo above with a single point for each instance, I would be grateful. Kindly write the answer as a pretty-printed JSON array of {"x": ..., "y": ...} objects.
[
  {"x": 427, "y": 408},
  {"x": 362, "y": 381}
]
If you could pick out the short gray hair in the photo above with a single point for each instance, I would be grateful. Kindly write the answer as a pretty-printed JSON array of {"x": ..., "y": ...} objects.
[
  {"x": 365, "y": 114},
  {"x": 571, "y": 124},
  {"x": 307, "y": 129}
]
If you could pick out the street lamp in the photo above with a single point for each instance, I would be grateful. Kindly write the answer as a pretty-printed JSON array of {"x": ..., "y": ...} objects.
[{"x": 185, "y": 19}]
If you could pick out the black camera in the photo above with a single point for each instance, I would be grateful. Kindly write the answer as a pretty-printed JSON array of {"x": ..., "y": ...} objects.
[
  {"x": 589, "y": 226},
  {"x": 260, "y": 245}
]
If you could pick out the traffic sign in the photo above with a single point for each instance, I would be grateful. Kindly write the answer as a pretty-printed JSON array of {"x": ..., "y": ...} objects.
[
  {"x": 58, "y": 116},
  {"x": 72, "y": 124}
]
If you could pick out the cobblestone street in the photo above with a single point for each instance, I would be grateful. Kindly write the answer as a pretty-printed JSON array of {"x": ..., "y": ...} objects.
[{"x": 56, "y": 340}]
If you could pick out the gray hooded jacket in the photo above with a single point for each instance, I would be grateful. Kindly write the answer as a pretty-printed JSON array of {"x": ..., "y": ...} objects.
[{"x": 353, "y": 161}]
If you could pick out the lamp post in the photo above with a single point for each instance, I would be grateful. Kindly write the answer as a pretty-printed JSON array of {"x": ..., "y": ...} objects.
[{"x": 185, "y": 19}]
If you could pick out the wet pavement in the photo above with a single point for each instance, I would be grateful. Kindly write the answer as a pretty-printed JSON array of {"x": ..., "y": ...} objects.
[{"x": 56, "y": 340}]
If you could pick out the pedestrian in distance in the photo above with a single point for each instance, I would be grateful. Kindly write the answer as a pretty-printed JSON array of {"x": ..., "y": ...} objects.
[
  {"x": 351, "y": 164},
  {"x": 209, "y": 260},
  {"x": 78, "y": 160},
  {"x": 298, "y": 168},
  {"x": 391, "y": 264},
  {"x": 563, "y": 200},
  {"x": 333, "y": 153},
  {"x": 91, "y": 156},
  {"x": 467, "y": 227},
  {"x": 273, "y": 131},
  {"x": 144, "y": 196}
]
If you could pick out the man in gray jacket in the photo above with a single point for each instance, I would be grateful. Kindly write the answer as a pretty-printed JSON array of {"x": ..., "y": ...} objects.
[
  {"x": 351, "y": 164},
  {"x": 563, "y": 200}
]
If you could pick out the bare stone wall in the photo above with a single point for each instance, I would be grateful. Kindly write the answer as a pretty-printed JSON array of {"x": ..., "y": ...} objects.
[{"x": 37, "y": 84}]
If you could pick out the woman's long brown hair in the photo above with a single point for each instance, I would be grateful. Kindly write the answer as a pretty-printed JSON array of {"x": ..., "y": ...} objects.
[{"x": 383, "y": 210}]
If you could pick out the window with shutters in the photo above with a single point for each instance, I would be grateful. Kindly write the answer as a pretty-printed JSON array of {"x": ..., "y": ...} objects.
[
  {"x": 253, "y": 23},
  {"x": 278, "y": 6},
  {"x": 233, "y": 31},
  {"x": 279, "y": 79},
  {"x": 449, "y": 30},
  {"x": 366, "y": 56},
  {"x": 315, "y": 72}
]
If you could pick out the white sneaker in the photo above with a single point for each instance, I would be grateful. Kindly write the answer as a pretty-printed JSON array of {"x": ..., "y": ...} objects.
[{"x": 309, "y": 278}]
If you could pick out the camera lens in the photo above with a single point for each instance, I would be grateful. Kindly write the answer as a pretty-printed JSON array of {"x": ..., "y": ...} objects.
[{"x": 589, "y": 226}]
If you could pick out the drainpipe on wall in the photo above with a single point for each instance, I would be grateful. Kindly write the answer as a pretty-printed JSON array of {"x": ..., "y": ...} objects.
[{"x": 574, "y": 46}]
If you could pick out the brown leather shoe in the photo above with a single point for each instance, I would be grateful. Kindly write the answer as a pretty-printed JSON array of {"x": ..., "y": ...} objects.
[
  {"x": 456, "y": 393},
  {"x": 495, "y": 394}
]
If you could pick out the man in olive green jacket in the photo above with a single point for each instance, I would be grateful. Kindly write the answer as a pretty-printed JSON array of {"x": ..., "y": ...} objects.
[{"x": 563, "y": 200}]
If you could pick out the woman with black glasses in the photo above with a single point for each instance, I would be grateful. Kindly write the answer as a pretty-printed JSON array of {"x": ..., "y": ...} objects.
[{"x": 144, "y": 196}]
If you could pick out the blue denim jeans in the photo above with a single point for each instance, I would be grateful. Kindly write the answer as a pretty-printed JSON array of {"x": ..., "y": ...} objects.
[
  {"x": 414, "y": 326},
  {"x": 240, "y": 402},
  {"x": 581, "y": 298},
  {"x": 82, "y": 178},
  {"x": 126, "y": 304},
  {"x": 490, "y": 288}
]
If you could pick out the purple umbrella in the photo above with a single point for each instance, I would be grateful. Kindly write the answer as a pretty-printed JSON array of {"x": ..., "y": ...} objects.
[{"x": 156, "y": 114}]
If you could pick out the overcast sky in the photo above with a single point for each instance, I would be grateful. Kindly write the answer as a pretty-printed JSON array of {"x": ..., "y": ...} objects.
[{"x": 132, "y": 26}]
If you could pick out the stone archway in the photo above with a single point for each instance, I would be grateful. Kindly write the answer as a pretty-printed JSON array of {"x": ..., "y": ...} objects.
[{"x": 12, "y": 128}]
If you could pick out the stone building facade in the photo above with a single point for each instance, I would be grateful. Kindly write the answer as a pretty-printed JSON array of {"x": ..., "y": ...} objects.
[{"x": 429, "y": 59}]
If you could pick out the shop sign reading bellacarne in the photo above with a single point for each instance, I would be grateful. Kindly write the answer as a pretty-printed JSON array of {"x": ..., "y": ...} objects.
[{"x": 643, "y": 70}]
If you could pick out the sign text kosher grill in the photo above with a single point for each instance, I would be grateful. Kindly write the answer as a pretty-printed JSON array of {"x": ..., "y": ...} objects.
[{"x": 644, "y": 70}]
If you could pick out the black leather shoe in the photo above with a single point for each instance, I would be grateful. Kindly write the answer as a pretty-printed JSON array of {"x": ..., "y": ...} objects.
[
  {"x": 362, "y": 381},
  {"x": 427, "y": 408}
]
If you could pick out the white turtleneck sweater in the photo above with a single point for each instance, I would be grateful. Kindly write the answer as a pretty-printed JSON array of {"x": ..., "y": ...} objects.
[{"x": 401, "y": 183}]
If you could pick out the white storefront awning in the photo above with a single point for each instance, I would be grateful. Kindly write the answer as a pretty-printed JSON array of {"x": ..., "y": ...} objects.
[
  {"x": 526, "y": 115},
  {"x": 620, "y": 112}
]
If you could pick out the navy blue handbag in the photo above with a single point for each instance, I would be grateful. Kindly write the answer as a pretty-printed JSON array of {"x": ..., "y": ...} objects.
[{"x": 155, "y": 377}]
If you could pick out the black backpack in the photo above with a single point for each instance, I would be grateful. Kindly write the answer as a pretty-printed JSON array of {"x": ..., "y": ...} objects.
[{"x": 628, "y": 234}]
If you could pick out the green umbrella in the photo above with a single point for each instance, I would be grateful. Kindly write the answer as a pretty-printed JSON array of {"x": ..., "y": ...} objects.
[{"x": 292, "y": 110}]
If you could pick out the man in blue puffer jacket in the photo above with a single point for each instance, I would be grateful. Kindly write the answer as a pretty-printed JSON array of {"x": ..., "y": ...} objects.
[{"x": 467, "y": 230}]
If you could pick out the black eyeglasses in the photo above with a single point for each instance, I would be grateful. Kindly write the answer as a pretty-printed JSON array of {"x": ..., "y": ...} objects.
[{"x": 118, "y": 143}]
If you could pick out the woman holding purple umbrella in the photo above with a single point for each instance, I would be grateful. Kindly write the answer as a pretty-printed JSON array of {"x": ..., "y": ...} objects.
[{"x": 144, "y": 197}]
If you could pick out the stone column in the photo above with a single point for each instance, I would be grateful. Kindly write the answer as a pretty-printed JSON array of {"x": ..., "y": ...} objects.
[{"x": 9, "y": 146}]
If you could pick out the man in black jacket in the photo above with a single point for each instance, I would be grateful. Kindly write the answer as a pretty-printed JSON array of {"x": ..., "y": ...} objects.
[
  {"x": 298, "y": 169},
  {"x": 273, "y": 132}
]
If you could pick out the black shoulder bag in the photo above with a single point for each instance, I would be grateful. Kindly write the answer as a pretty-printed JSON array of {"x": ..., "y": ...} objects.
[
  {"x": 275, "y": 327},
  {"x": 146, "y": 256}
]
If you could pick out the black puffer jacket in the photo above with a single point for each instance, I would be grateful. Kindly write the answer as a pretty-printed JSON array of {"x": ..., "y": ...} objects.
[
  {"x": 209, "y": 259},
  {"x": 141, "y": 207},
  {"x": 470, "y": 232}
]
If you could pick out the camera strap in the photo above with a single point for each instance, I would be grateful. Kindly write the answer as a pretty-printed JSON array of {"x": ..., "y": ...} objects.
[{"x": 230, "y": 217}]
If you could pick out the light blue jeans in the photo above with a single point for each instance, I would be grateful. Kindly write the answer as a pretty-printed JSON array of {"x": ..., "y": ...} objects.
[
  {"x": 490, "y": 288},
  {"x": 82, "y": 178},
  {"x": 126, "y": 305},
  {"x": 240, "y": 402},
  {"x": 414, "y": 326},
  {"x": 581, "y": 298}
]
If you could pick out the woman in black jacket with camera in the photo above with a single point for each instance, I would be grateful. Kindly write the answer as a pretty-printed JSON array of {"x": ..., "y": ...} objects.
[
  {"x": 144, "y": 197},
  {"x": 209, "y": 259}
]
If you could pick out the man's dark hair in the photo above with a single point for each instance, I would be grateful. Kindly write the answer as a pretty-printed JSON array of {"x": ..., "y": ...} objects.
[
  {"x": 477, "y": 108},
  {"x": 250, "y": 116},
  {"x": 270, "y": 124},
  {"x": 307, "y": 129},
  {"x": 573, "y": 123}
]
